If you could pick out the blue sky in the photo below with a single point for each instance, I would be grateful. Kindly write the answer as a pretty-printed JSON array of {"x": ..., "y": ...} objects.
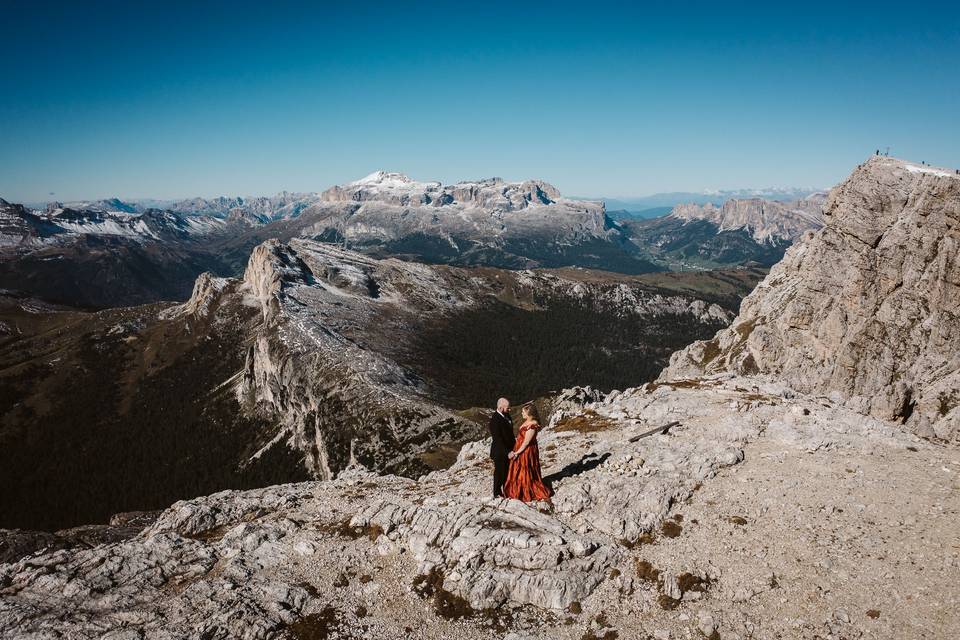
[{"x": 142, "y": 99}]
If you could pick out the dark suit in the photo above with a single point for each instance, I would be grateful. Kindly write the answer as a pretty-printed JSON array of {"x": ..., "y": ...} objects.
[{"x": 501, "y": 431}]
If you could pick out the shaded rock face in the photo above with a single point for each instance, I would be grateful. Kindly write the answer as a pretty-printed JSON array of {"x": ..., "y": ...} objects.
[
  {"x": 131, "y": 408},
  {"x": 867, "y": 308},
  {"x": 16, "y": 544}
]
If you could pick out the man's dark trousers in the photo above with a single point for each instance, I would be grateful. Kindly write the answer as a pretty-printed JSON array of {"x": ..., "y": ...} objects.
[{"x": 501, "y": 433}]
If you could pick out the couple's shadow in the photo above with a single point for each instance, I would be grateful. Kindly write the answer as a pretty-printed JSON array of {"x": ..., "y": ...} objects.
[{"x": 586, "y": 463}]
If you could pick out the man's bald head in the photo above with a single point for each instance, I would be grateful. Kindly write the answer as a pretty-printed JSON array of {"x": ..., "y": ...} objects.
[{"x": 503, "y": 405}]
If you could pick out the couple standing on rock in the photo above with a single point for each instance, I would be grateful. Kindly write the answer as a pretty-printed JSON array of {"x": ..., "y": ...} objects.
[{"x": 516, "y": 462}]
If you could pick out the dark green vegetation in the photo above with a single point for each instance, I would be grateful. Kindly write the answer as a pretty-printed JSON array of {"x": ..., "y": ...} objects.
[
  {"x": 677, "y": 244},
  {"x": 115, "y": 411},
  {"x": 527, "y": 351},
  {"x": 505, "y": 350}
]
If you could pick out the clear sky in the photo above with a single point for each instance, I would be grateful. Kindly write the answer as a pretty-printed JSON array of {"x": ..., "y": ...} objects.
[{"x": 168, "y": 99}]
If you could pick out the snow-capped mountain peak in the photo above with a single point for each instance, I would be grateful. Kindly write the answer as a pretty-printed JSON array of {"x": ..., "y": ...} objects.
[{"x": 384, "y": 178}]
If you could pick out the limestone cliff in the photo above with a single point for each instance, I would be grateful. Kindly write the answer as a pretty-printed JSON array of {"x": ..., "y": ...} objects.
[{"x": 867, "y": 308}]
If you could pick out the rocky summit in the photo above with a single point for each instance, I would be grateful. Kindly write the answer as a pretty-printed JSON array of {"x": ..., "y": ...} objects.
[
  {"x": 759, "y": 513},
  {"x": 485, "y": 222},
  {"x": 729, "y": 499},
  {"x": 867, "y": 309}
]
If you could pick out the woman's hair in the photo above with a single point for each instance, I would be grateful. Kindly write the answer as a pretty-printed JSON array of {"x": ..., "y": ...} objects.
[{"x": 531, "y": 411}]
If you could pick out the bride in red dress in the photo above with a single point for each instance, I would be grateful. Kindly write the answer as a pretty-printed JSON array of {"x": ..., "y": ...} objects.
[{"x": 524, "y": 481}]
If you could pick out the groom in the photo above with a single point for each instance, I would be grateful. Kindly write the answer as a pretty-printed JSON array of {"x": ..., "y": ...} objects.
[{"x": 501, "y": 430}]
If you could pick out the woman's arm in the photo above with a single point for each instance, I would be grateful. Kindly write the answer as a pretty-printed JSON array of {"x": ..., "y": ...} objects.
[{"x": 527, "y": 437}]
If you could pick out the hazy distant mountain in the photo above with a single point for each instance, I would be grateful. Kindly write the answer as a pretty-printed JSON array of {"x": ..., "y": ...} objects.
[
  {"x": 642, "y": 214},
  {"x": 260, "y": 209},
  {"x": 648, "y": 203},
  {"x": 738, "y": 232}
]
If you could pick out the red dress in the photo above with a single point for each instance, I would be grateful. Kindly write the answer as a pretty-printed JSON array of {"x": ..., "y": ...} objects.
[{"x": 524, "y": 481}]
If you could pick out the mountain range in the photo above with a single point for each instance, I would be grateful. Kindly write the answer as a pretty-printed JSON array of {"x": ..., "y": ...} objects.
[
  {"x": 736, "y": 233},
  {"x": 107, "y": 253},
  {"x": 793, "y": 476},
  {"x": 668, "y": 200}
]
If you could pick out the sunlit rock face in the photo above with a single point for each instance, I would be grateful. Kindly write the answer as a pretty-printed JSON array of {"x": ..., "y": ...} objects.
[{"x": 867, "y": 308}]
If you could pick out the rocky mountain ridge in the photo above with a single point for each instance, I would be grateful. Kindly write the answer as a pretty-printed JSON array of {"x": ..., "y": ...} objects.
[
  {"x": 867, "y": 308},
  {"x": 320, "y": 305},
  {"x": 739, "y": 232},
  {"x": 487, "y": 222},
  {"x": 102, "y": 258},
  {"x": 256, "y": 209}
]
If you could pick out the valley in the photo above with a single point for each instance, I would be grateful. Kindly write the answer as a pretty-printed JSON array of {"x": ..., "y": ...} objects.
[{"x": 132, "y": 408}]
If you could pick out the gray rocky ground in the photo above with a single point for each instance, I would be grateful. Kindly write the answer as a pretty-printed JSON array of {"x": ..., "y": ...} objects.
[{"x": 763, "y": 514}]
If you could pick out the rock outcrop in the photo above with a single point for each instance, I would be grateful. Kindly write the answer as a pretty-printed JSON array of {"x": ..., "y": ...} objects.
[{"x": 868, "y": 308}]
